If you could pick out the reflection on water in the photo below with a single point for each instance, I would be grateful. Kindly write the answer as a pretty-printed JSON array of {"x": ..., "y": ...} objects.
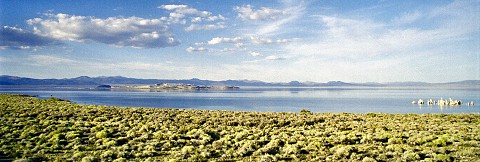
[
  {"x": 355, "y": 100},
  {"x": 449, "y": 109}
]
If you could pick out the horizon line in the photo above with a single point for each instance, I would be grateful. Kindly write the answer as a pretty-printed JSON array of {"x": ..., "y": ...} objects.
[{"x": 248, "y": 80}]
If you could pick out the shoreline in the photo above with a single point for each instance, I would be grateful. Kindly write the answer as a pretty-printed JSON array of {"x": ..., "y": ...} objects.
[{"x": 51, "y": 129}]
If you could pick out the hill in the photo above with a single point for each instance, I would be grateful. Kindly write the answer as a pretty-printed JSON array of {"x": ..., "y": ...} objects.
[{"x": 102, "y": 80}]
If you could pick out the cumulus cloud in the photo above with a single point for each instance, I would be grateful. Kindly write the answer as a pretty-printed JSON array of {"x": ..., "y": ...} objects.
[
  {"x": 185, "y": 10},
  {"x": 264, "y": 13},
  {"x": 239, "y": 41},
  {"x": 273, "y": 57},
  {"x": 123, "y": 32},
  {"x": 255, "y": 54},
  {"x": 216, "y": 26},
  {"x": 199, "y": 43},
  {"x": 287, "y": 40},
  {"x": 229, "y": 50},
  {"x": 208, "y": 19},
  {"x": 196, "y": 19},
  {"x": 179, "y": 14},
  {"x": 215, "y": 18},
  {"x": 260, "y": 40},
  {"x": 268, "y": 21},
  {"x": 16, "y": 38},
  {"x": 240, "y": 45},
  {"x": 200, "y": 49},
  {"x": 218, "y": 40}
]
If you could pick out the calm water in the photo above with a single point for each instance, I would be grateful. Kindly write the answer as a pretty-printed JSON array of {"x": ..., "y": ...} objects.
[{"x": 355, "y": 100}]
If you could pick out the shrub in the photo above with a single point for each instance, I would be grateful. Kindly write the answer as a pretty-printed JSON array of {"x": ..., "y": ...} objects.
[
  {"x": 410, "y": 156},
  {"x": 101, "y": 134},
  {"x": 120, "y": 160},
  {"x": 441, "y": 157},
  {"x": 108, "y": 154},
  {"x": 89, "y": 159},
  {"x": 267, "y": 158},
  {"x": 368, "y": 159},
  {"x": 34, "y": 128},
  {"x": 305, "y": 111}
]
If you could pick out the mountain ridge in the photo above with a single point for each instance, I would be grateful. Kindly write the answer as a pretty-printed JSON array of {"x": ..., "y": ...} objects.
[{"x": 101, "y": 80}]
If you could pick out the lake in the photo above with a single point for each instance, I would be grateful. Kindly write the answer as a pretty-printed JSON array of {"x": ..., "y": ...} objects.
[{"x": 270, "y": 99}]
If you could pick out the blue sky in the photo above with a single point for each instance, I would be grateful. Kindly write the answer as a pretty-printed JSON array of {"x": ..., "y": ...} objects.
[{"x": 274, "y": 41}]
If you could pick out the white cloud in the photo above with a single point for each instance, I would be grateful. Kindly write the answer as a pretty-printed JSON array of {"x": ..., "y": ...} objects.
[
  {"x": 260, "y": 40},
  {"x": 176, "y": 15},
  {"x": 295, "y": 9},
  {"x": 239, "y": 41},
  {"x": 215, "y": 18},
  {"x": 200, "y": 49},
  {"x": 185, "y": 10},
  {"x": 264, "y": 13},
  {"x": 277, "y": 18},
  {"x": 208, "y": 19},
  {"x": 16, "y": 38},
  {"x": 48, "y": 60},
  {"x": 361, "y": 38},
  {"x": 352, "y": 48},
  {"x": 255, "y": 54},
  {"x": 180, "y": 13},
  {"x": 257, "y": 40},
  {"x": 229, "y": 50},
  {"x": 407, "y": 18},
  {"x": 123, "y": 32},
  {"x": 216, "y": 26},
  {"x": 199, "y": 43},
  {"x": 273, "y": 57},
  {"x": 350, "y": 38},
  {"x": 240, "y": 45},
  {"x": 459, "y": 17},
  {"x": 384, "y": 70},
  {"x": 218, "y": 40},
  {"x": 172, "y": 7},
  {"x": 63, "y": 66},
  {"x": 287, "y": 40},
  {"x": 196, "y": 19},
  {"x": 257, "y": 70},
  {"x": 145, "y": 69}
]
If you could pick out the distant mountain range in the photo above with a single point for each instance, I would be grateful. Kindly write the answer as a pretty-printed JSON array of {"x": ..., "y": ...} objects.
[{"x": 115, "y": 80}]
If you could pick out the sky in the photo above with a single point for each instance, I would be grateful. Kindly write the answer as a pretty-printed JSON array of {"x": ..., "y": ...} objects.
[{"x": 274, "y": 41}]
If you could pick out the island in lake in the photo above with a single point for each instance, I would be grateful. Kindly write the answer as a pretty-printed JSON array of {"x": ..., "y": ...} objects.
[{"x": 170, "y": 86}]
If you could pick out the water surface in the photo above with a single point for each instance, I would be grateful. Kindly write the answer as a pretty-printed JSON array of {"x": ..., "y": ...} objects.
[{"x": 354, "y": 100}]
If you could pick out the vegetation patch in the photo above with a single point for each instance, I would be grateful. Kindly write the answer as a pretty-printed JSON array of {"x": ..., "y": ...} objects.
[{"x": 53, "y": 129}]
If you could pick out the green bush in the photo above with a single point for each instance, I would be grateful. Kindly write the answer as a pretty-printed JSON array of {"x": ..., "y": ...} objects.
[
  {"x": 101, "y": 134},
  {"x": 305, "y": 111},
  {"x": 54, "y": 130}
]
